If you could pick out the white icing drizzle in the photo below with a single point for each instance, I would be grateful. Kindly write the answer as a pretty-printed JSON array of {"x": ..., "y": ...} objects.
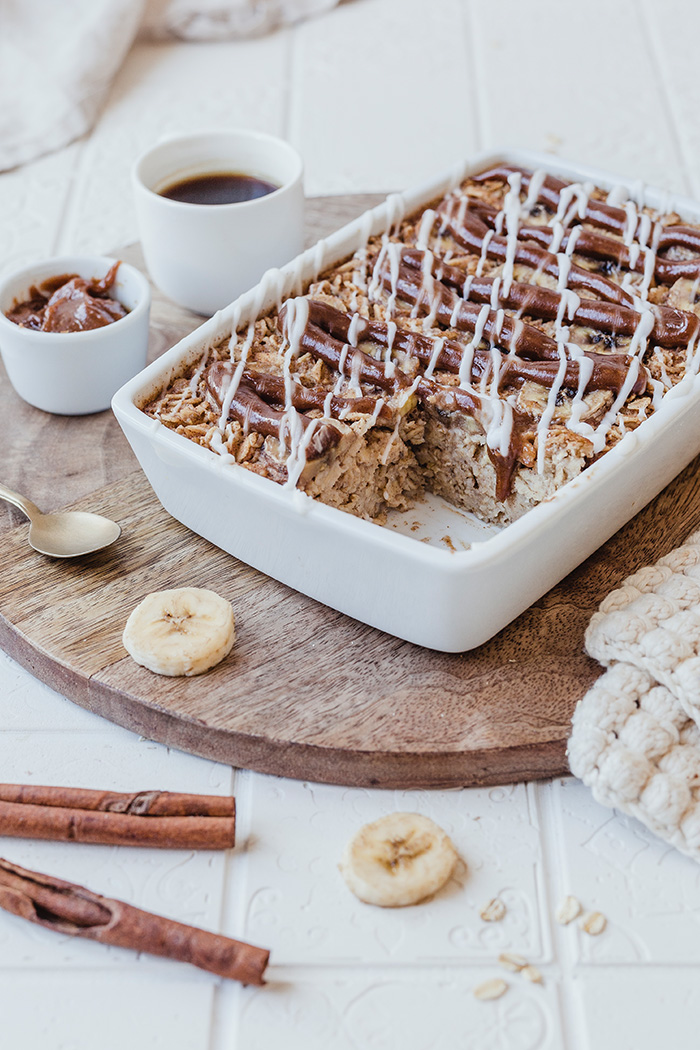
[
  {"x": 296, "y": 320},
  {"x": 484, "y": 249},
  {"x": 617, "y": 195},
  {"x": 497, "y": 326},
  {"x": 570, "y": 208},
  {"x": 533, "y": 191},
  {"x": 377, "y": 409},
  {"x": 355, "y": 369},
  {"x": 650, "y": 251},
  {"x": 396, "y": 207},
  {"x": 546, "y": 417},
  {"x": 355, "y": 322},
  {"x": 437, "y": 349},
  {"x": 216, "y": 444},
  {"x": 496, "y": 293},
  {"x": 578, "y": 405},
  {"x": 497, "y": 364},
  {"x": 232, "y": 387},
  {"x": 649, "y": 267},
  {"x": 375, "y": 281},
  {"x": 465, "y": 365},
  {"x": 638, "y": 192},
  {"x": 659, "y": 391},
  {"x": 341, "y": 368},
  {"x": 518, "y": 326},
  {"x": 425, "y": 228},
  {"x": 203, "y": 362},
  {"x": 429, "y": 290},
  {"x": 466, "y": 289},
  {"x": 599, "y": 435},
  {"x": 645, "y": 228},
  {"x": 300, "y": 441},
  {"x": 557, "y": 236},
  {"x": 389, "y": 364},
  {"x": 499, "y": 430},
  {"x": 390, "y": 443},
  {"x": 642, "y": 332},
  {"x": 512, "y": 213},
  {"x": 573, "y": 238},
  {"x": 631, "y": 222},
  {"x": 455, "y": 313}
]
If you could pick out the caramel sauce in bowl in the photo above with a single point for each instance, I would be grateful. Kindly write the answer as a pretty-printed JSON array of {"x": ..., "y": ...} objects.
[{"x": 75, "y": 372}]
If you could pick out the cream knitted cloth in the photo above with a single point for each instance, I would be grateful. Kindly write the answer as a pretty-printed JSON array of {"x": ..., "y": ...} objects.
[{"x": 635, "y": 739}]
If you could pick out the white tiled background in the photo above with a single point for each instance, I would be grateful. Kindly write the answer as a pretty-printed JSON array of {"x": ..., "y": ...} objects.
[{"x": 378, "y": 94}]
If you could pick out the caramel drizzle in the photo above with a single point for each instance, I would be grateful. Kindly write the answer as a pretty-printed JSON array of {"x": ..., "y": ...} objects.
[
  {"x": 344, "y": 358},
  {"x": 271, "y": 388},
  {"x": 672, "y": 327},
  {"x": 469, "y": 230},
  {"x": 253, "y": 413},
  {"x": 608, "y": 373},
  {"x": 597, "y": 246},
  {"x": 521, "y": 339},
  {"x": 597, "y": 213},
  {"x": 452, "y": 311}
]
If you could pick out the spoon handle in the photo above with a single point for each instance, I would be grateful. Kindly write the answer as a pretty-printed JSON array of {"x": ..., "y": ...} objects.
[{"x": 21, "y": 502}]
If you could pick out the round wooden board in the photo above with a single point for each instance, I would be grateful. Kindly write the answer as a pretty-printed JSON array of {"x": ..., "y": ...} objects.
[{"x": 307, "y": 692}]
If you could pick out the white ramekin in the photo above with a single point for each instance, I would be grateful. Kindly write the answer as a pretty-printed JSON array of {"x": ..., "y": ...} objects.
[
  {"x": 203, "y": 256},
  {"x": 74, "y": 373}
]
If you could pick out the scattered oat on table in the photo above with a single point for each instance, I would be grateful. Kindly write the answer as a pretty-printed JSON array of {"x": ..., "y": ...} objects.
[
  {"x": 593, "y": 923},
  {"x": 494, "y": 911},
  {"x": 491, "y": 989},
  {"x": 512, "y": 961},
  {"x": 531, "y": 973},
  {"x": 568, "y": 910}
]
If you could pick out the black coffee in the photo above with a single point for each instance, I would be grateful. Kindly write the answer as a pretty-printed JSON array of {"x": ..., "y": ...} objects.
[{"x": 229, "y": 187}]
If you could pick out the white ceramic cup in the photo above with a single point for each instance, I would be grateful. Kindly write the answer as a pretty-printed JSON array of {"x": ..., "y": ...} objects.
[
  {"x": 74, "y": 373},
  {"x": 203, "y": 256}
]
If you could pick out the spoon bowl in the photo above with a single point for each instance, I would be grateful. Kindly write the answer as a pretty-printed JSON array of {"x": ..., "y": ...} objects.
[{"x": 65, "y": 534}]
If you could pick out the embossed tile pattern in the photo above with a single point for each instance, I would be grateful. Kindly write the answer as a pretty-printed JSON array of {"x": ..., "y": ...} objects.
[
  {"x": 378, "y": 94},
  {"x": 293, "y": 870}
]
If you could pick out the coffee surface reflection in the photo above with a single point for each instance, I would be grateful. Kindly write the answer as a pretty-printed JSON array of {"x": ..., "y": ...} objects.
[{"x": 230, "y": 187}]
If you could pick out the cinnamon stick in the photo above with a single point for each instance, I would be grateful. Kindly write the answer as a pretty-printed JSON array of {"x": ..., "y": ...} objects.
[
  {"x": 138, "y": 803},
  {"x": 164, "y": 820},
  {"x": 71, "y": 909}
]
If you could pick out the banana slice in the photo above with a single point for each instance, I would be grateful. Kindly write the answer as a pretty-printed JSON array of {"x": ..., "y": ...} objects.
[
  {"x": 182, "y": 631},
  {"x": 397, "y": 860}
]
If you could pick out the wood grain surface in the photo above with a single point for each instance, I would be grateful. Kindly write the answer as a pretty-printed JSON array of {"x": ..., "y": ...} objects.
[{"x": 307, "y": 692}]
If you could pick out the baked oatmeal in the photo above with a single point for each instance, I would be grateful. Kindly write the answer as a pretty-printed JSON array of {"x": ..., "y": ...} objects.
[{"x": 486, "y": 349}]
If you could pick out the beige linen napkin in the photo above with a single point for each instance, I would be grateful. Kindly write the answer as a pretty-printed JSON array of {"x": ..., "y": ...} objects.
[
  {"x": 224, "y": 19},
  {"x": 58, "y": 57},
  {"x": 56, "y": 63},
  {"x": 635, "y": 739}
]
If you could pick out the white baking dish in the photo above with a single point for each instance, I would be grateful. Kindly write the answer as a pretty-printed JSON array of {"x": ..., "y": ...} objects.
[{"x": 409, "y": 577}]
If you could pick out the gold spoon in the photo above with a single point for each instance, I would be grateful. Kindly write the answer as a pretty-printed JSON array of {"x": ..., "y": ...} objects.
[{"x": 66, "y": 534}]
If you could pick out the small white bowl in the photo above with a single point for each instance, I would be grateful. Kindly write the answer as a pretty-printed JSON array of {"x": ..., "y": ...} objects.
[{"x": 74, "y": 373}]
